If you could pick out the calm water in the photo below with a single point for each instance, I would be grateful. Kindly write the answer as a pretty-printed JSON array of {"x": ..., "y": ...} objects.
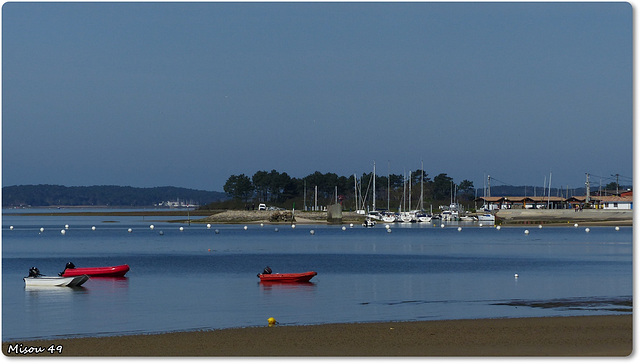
[{"x": 197, "y": 279}]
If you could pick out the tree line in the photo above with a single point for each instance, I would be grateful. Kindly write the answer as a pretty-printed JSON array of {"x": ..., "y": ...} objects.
[
  {"x": 56, "y": 195},
  {"x": 278, "y": 187}
]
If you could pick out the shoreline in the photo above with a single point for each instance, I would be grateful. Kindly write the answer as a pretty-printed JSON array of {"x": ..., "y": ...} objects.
[
  {"x": 606, "y": 335},
  {"x": 504, "y": 217}
]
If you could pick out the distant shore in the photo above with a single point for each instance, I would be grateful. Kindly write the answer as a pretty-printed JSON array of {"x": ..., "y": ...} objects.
[
  {"x": 564, "y": 217},
  {"x": 544, "y": 336}
]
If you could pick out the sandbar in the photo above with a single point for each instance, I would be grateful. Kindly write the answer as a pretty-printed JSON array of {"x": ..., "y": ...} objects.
[{"x": 600, "y": 336}]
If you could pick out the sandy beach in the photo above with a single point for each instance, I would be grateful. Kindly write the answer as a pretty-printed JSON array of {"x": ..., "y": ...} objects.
[{"x": 548, "y": 336}]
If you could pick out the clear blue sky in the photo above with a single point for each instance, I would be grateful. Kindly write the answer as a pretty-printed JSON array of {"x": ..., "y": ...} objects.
[{"x": 157, "y": 94}]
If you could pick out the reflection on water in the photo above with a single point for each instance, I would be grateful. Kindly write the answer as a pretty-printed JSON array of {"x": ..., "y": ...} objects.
[
  {"x": 52, "y": 291},
  {"x": 287, "y": 286}
]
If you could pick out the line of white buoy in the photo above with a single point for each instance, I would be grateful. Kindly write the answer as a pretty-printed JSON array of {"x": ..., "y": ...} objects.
[{"x": 293, "y": 226}]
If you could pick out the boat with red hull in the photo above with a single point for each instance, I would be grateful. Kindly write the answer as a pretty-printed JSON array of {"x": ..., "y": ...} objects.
[
  {"x": 114, "y": 271},
  {"x": 287, "y": 277}
]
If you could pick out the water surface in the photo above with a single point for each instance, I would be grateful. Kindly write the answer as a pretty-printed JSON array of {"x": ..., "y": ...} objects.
[{"x": 199, "y": 279}]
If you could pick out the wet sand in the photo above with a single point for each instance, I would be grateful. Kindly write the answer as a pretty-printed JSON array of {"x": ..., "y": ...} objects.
[{"x": 547, "y": 336}]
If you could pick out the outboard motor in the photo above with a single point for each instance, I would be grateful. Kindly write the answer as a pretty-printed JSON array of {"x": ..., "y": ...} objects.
[
  {"x": 266, "y": 270},
  {"x": 34, "y": 272},
  {"x": 68, "y": 266}
]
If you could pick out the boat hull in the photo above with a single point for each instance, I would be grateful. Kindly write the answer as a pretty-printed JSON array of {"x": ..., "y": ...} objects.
[
  {"x": 487, "y": 218},
  {"x": 287, "y": 277},
  {"x": 76, "y": 281},
  {"x": 115, "y": 271}
]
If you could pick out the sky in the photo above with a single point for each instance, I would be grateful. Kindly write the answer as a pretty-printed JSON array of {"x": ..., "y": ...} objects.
[{"x": 188, "y": 94}]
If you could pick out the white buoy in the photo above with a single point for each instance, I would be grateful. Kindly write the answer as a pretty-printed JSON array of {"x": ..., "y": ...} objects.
[
  {"x": 261, "y": 224},
  {"x": 498, "y": 227},
  {"x": 587, "y": 230},
  {"x": 276, "y": 230},
  {"x": 617, "y": 228},
  {"x": 344, "y": 228},
  {"x": 93, "y": 228},
  {"x": 351, "y": 225},
  {"x": 388, "y": 230},
  {"x": 575, "y": 225},
  {"x": 312, "y": 232},
  {"x": 526, "y": 232},
  {"x": 151, "y": 227},
  {"x": 293, "y": 226},
  {"x": 181, "y": 228},
  {"x": 66, "y": 226},
  {"x": 63, "y": 232},
  {"x": 387, "y": 226},
  {"x": 459, "y": 228},
  {"x": 516, "y": 275},
  {"x": 208, "y": 226},
  {"x": 217, "y": 231},
  {"x": 129, "y": 230},
  {"x": 41, "y": 230},
  {"x": 540, "y": 226},
  {"x": 11, "y": 227},
  {"x": 245, "y": 227},
  {"x": 480, "y": 224}
]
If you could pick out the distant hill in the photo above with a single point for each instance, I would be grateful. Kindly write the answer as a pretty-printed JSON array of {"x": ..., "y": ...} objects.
[{"x": 55, "y": 195}]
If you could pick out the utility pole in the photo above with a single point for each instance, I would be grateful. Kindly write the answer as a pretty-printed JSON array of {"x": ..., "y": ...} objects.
[{"x": 587, "y": 199}]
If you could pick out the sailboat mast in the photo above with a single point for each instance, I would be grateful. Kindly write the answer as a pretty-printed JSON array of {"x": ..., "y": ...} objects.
[
  {"x": 355, "y": 190},
  {"x": 421, "y": 185},
  {"x": 410, "y": 183},
  {"x": 374, "y": 185},
  {"x": 388, "y": 183}
]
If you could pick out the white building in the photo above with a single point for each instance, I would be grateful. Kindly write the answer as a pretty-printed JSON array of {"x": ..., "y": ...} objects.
[{"x": 615, "y": 202}]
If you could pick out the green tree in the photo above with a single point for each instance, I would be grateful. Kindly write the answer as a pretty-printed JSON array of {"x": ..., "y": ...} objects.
[
  {"x": 239, "y": 187},
  {"x": 611, "y": 186},
  {"x": 260, "y": 181},
  {"x": 441, "y": 186},
  {"x": 465, "y": 188}
]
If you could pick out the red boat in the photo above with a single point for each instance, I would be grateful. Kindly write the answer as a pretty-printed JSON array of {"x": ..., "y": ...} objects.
[
  {"x": 115, "y": 271},
  {"x": 266, "y": 276}
]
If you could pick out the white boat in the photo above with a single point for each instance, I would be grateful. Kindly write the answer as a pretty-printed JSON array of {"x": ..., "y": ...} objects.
[
  {"x": 35, "y": 279},
  {"x": 487, "y": 217},
  {"x": 374, "y": 215},
  {"x": 47, "y": 281},
  {"x": 422, "y": 217},
  {"x": 449, "y": 215},
  {"x": 369, "y": 223},
  {"x": 389, "y": 217},
  {"x": 408, "y": 217}
]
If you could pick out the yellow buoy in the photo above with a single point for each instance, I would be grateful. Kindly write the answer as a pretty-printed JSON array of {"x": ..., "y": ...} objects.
[{"x": 271, "y": 321}]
